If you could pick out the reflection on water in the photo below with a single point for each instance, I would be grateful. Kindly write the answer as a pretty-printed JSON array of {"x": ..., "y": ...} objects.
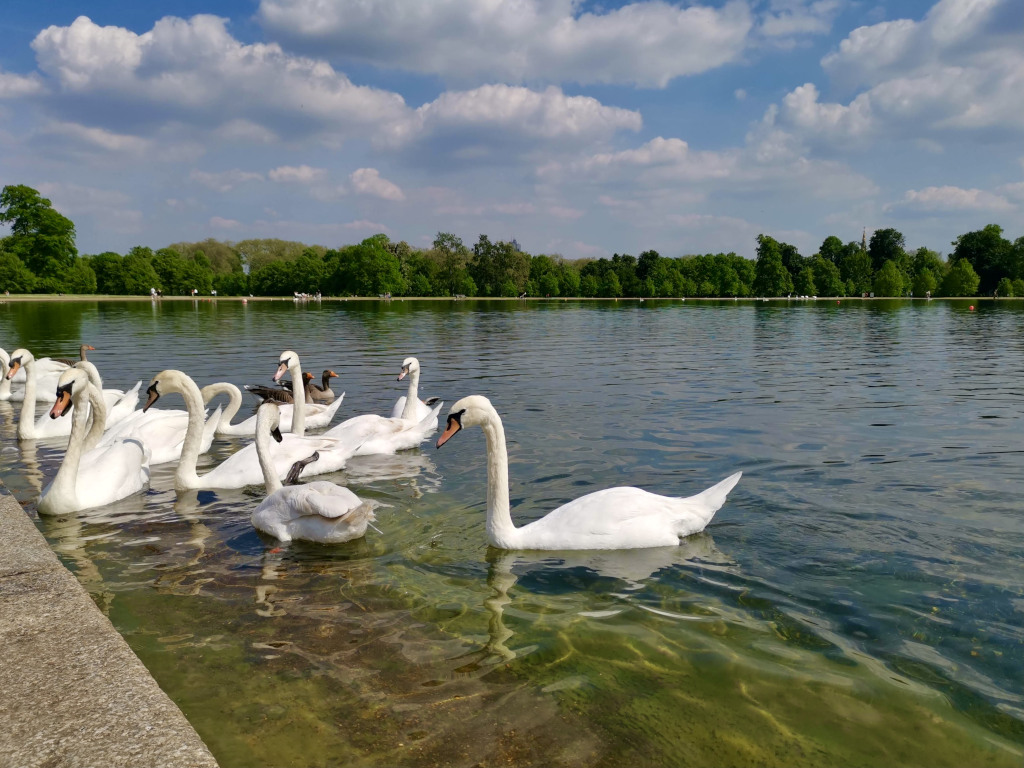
[{"x": 857, "y": 600}]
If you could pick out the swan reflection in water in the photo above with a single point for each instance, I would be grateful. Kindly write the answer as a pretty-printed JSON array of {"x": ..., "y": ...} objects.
[
  {"x": 632, "y": 566},
  {"x": 398, "y": 466}
]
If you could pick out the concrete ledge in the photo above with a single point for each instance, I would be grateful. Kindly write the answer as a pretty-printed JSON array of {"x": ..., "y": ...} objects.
[{"x": 72, "y": 693}]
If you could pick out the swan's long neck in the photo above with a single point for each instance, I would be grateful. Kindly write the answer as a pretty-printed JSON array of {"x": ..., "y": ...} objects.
[
  {"x": 5, "y": 385},
  {"x": 270, "y": 478},
  {"x": 412, "y": 397},
  {"x": 500, "y": 530},
  {"x": 298, "y": 398},
  {"x": 27, "y": 422},
  {"x": 234, "y": 394},
  {"x": 185, "y": 476},
  {"x": 64, "y": 484}
]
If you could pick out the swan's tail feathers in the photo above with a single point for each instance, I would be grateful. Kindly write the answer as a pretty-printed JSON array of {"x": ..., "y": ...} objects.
[
  {"x": 706, "y": 503},
  {"x": 333, "y": 407}
]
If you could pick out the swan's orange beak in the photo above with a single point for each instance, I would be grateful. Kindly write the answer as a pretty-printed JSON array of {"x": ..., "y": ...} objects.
[
  {"x": 282, "y": 368},
  {"x": 63, "y": 404},
  {"x": 15, "y": 365},
  {"x": 402, "y": 374},
  {"x": 454, "y": 425},
  {"x": 154, "y": 395}
]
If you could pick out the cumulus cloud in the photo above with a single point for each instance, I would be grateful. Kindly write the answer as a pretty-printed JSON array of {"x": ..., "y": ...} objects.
[
  {"x": 788, "y": 20},
  {"x": 218, "y": 222},
  {"x": 301, "y": 174},
  {"x": 368, "y": 181},
  {"x": 950, "y": 199},
  {"x": 15, "y": 86},
  {"x": 960, "y": 69},
  {"x": 96, "y": 138},
  {"x": 224, "y": 181},
  {"x": 646, "y": 43}
]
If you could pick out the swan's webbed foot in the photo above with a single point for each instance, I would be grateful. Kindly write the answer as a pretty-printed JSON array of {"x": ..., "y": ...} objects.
[{"x": 298, "y": 466}]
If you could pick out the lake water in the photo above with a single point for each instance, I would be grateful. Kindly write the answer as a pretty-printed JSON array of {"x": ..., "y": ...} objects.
[{"x": 858, "y": 600}]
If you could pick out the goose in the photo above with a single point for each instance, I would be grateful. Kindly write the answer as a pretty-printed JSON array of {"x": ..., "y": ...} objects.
[
  {"x": 380, "y": 434},
  {"x": 615, "y": 518},
  {"x": 282, "y": 393},
  {"x": 47, "y": 373},
  {"x": 247, "y": 428},
  {"x": 81, "y": 355},
  {"x": 243, "y": 467},
  {"x": 97, "y": 477},
  {"x": 30, "y": 428},
  {"x": 323, "y": 393},
  {"x": 319, "y": 511},
  {"x": 420, "y": 409}
]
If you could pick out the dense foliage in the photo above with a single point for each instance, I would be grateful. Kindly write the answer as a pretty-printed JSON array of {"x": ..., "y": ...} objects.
[{"x": 40, "y": 256}]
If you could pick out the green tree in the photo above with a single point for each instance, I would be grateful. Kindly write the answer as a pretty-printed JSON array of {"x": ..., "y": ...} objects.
[
  {"x": 832, "y": 250},
  {"x": 1018, "y": 287},
  {"x": 826, "y": 277},
  {"x": 855, "y": 269},
  {"x": 109, "y": 271},
  {"x": 803, "y": 283},
  {"x": 988, "y": 252},
  {"x": 41, "y": 238},
  {"x": 961, "y": 280},
  {"x": 452, "y": 256},
  {"x": 369, "y": 269},
  {"x": 925, "y": 283},
  {"x": 889, "y": 280},
  {"x": 138, "y": 275},
  {"x": 771, "y": 278},
  {"x": 14, "y": 275},
  {"x": 610, "y": 286},
  {"x": 886, "y": 245},
  {"x": 1005, "y": 287}
]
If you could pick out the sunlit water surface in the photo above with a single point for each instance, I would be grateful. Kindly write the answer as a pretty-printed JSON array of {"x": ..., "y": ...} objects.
[{"x": 857, "y": 601}]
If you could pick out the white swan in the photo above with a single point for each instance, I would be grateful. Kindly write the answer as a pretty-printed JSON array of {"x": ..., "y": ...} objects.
[
  {"x": 420, "y": 409},
  {"x": 319, "y": 511},
  {"x": 243, "y": 467},
  {"x": 320, "y": 417},
  {"x": 101, "y": 476},
  {"x": 120, "y": 404},
  {"x": 615, "y": 518},
  {"x": 47, "y": 372},
  {"x": 380, "y": 434},
  {"x": 299, "y": 414}
]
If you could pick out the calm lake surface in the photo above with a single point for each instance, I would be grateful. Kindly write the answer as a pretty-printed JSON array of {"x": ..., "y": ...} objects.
[{"x": 859, "y": 599}]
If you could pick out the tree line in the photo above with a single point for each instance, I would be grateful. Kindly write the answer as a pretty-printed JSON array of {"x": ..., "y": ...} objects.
[{"x": 40, "y": 256}]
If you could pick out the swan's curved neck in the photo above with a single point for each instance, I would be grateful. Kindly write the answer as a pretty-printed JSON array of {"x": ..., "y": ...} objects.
[
  {"x": 270, "y": 478},
  {"x": 27, "y": 422},
  {"x": 64, "y": 484},
  {"x": 500, "y": 530},
  {"x": 298, "y": 399},
  {"x": 412, "y": 397},
  {"x": 5, "y": 385},
  {"x": 185, "y": 476},
  {"x": 234, "y": 394}
]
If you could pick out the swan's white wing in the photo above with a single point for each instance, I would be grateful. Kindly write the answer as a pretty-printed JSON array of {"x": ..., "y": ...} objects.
[
  {"x": 112, "y": 472},
  {"x": 399, "y": 408}
]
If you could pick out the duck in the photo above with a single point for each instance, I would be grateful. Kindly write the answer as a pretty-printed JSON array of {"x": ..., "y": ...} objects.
[
  {"x": 82, "y": 350},
  {"x": 294, "y": 418},
  {"x": 95, "y": 478},
  {"x": 242, "y": 468},
  {"x": 613, "y": 518},
  {"x": 319, "y": 511},
  {"x": 282, "y": 393},
  {"x": 316, "y": 416}
]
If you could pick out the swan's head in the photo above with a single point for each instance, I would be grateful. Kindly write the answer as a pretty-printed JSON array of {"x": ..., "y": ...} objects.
[
  {"x": 162, "y": 383},
  {"x": 289, "y": 360},
  {"x": 409, "y": 365},
  {"x": 268, "y": 420},
  {"x": 19, "y": 357},
  {"x": 70, "y": 385},
  {"x": 468, "y": 412}
]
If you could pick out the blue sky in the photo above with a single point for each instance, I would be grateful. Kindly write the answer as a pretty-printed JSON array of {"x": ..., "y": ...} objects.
[{"x": 580, "y": 129}]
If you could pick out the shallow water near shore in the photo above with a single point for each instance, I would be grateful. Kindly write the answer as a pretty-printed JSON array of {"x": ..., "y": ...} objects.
[{"x": 857, "y": 600}]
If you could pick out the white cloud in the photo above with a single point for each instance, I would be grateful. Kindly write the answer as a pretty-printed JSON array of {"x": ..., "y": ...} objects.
[
  {"x": 16, "y": 86},
  {"x": 950, "y": 199},
  {"x": 97, "y": 138},
  {"x": 108, "y": 208},
  {"x": 646, "y": 43},
  {"x": 368, "y": 181},
  {"x": 787, "y": 20},
  {"x": 218, "y": 222},
  {"x": 224, "y": 181},
  {"x": 301, "y": 174}
]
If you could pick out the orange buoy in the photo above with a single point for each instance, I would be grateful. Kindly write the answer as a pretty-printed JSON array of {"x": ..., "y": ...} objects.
[{"x": 972, "y": 307}]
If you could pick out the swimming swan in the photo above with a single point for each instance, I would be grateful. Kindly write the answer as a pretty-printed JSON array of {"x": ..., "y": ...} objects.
[
  {"x": 615, "y": 518},
  {"x": 242, "y": 467},
  {"x": 47, "y": 373},
  {"x": 300, "y": 414},
  {"x": 319, "y": 511},
  {"x": 420, "y": 410},
  {"x": 100, "y": 476}
]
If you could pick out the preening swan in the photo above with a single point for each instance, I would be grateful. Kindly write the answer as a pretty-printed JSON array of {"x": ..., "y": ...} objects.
[
  {"x": 243, "y": 467},
  {"x": 101, "y": 476},
  {"x": 419, "y": 410},
  {"x": 318, "y": 511},
  {"x": 615, "y": 518}
]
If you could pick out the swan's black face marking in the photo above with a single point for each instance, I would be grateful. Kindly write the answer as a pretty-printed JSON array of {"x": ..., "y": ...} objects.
[
  {"x": 63, "y": 404},
  {"x": 276, "y": 434},
  {"x": 15, "y": 365},
  {"x": 154, "y": 395},
  {"x": 454, "y": 425},
  {"x": 282, "y": 368}
]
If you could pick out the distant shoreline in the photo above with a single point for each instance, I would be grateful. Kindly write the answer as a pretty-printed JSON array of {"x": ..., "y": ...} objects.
[{"x": 28, "y": 297}]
